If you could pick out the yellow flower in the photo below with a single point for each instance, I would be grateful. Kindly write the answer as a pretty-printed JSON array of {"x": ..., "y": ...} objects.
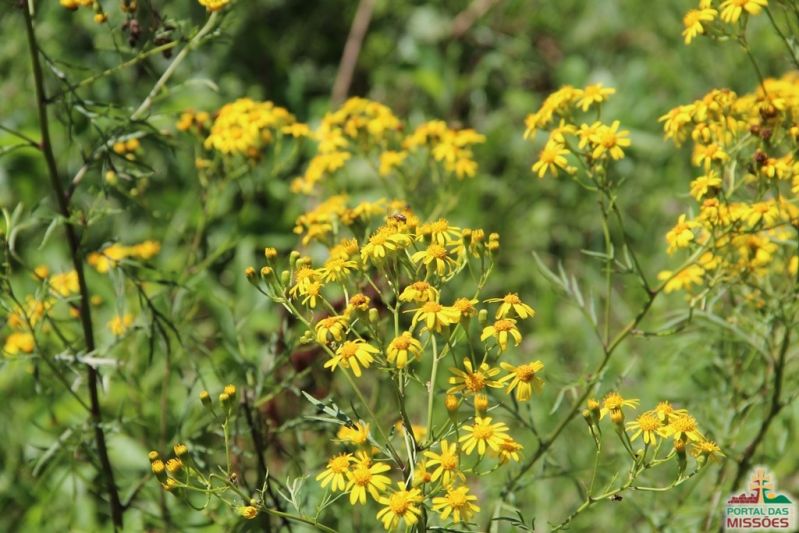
[
  {"x": 420, "y": 292},
  {"x": 120, "y": 324},
  {"x": 445, "y": 463},
  {"x": 693, "y": 22},
  {"x": 382, "y": 243},
  {"x": 465, "y": 306},
  {"x": 439, "y": 232},
  {"x": 435, "y": 257},
  {"x": 509, "y": 449},
  {"x": 332, "y": 328},
  {"x": 337, "y": 269},
  {"x": 613, "y": 403},
  {"x": 365, "y": 478},
  {"x": 609, "y": 139},
  {"x": 435, "y": 316},
  {"x": 512, "y": 302},
  {"x": 706, "y": 449},
  {"x": 731, "y": 10},
  {"x": 681, "y": 235},
  {"x": 483, "y": 434},
  {"x": 472, "y": 381},
  {"x": 551, "y": 158},
  {"x": 401, "y": 505},
  {"x": 501, "y": 329},
  {"x": 65, "y": 284},
  {"x": 523, "y": 378},
  {"x": 403, "y": 348},
  {"x": 296, "y": 130},
  {"x": 684, "y": 279},
  {"x": 593, "y": 94},
  {"x": 352, "y": 354},
  {"x": 357, "y": 435},
  {"x": 337, "y": 468},
  {"x": 458, "y": 503},
  {"x": 665, "y": 411},
  {"x": 18, "y": 342},
  {"x": 647, "y": 425},
  {"x": 389, "y": 160},
  {"x": 174, "y": 465},
  {"x": 703, "y": 185},
  {"x": 683, "y": 428}
]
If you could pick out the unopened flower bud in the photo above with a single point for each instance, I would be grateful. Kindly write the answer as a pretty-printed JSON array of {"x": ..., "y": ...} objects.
[
  {"x": 451, "y": 402},
  {"x": 205, "y": 398},
  {"x": 482, "y": 317},
  {"x": 270, "y": 253},
  {"x": 374, "y": 315}
]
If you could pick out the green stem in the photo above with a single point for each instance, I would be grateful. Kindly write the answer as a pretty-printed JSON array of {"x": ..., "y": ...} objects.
[{"x": 432, "y": 390}]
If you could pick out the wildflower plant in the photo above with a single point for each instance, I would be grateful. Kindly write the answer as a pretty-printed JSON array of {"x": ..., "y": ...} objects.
[{"x": 380, "y": 370}]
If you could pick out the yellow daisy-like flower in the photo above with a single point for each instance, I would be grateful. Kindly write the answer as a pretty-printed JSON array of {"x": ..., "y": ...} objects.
[
  {"x": 609, "y": 139},
  {"x": 471, "y": 381},
  {"x": 731, "y": 10},
  {"x": 647, "y": 425},
  {"x": 523, "y": 378},
  {"x": 703, "y": 185},
  {"x": 403, "y": 348},
  {"x": 401, "y": 505},
  {"x": 593, "y": 94},
  {"x": 384, "y": 242},
  {"x": 365, "y": 478},
  {"x": 613, "y": 403},
  {"x": 684, "y": 428},
  {"x": 483, "y": 434},
  {"x": 435, "y": 316},
  {"x": 681, "y": 235},
  {"x": 421, "y": 475},
  {"x": 458, "y": 503},
  {"x": 439, "y": 232},
  {"x": 551, "y": 158},
  {"x": 665, "y": 412},
  {"x": 357, "y": 435},
  {"x": 332, "y": 328},
  {"x": 445, "y": 463},
  {"x": 706, "y": 449},
  {"x": 693, "y": 22},
  {"x": 684, "y": 279},
  {"x": 436, "y": 258},
  {"x": 501, "y": 329},
  {"x": 420, "y": 292},
  {"x": 512, "y": 302},
  {"x": 337, "y": 269},
  {"x": 509, "y": 449},
  {"x": 337, "y": 468},
  {"x": 466, "y": 307},
  {"x": 389, "y": 160},
  {"x": 353, "y": 354}
]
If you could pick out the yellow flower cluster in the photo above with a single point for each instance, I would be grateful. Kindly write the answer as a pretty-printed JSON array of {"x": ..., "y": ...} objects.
[
  {"x": 111, "y": 256},
  {"x": 744, "y": 233},
  {"x": 366, "y": 129},
  {"x": 593, "y": 143},
  {"x": 244, "y": 127},
  {"x": 379, "y": 291},
  {"x": 700, "y": 20},
  {"x": 664, "y": 421}
]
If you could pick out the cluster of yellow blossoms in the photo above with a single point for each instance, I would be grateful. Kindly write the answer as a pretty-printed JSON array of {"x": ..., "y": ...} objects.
[
  {"x": 745, "y": 229},
  {"x": 663, "y": 422},
  {"x": 244, "y": 127},
  {"x": 381, "y": 292},
  {"x": 60, "y": 288},
  {"x": 594, "y": 143},
  {"x": 702, "y": 19}
]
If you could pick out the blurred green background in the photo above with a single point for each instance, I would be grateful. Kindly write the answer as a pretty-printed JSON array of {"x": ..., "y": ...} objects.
[{"x": 488, "y": 77}]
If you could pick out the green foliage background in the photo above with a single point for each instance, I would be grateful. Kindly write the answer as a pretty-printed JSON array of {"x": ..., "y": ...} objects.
[{"x": 288, "y": 52}]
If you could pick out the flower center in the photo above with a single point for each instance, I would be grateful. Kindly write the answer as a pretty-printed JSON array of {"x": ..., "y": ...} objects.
[
  {"x": 437, "y": 251},
  {"x": 512, "y": 299},
  {"x": 339, "y": 464},
  {"x": 348, "y": 349},
  {"x": 503, "y": 325},
  {"x": 525, "y": 373},
  {"x": 398, "y": 503},
  {"x": 483, "y": 431},
  {"x": 648, "y": 423},
  {"x": 431, "y": 307},
  {"x": 362, "y": 476},
  {"x": 474, "y": 382}
]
